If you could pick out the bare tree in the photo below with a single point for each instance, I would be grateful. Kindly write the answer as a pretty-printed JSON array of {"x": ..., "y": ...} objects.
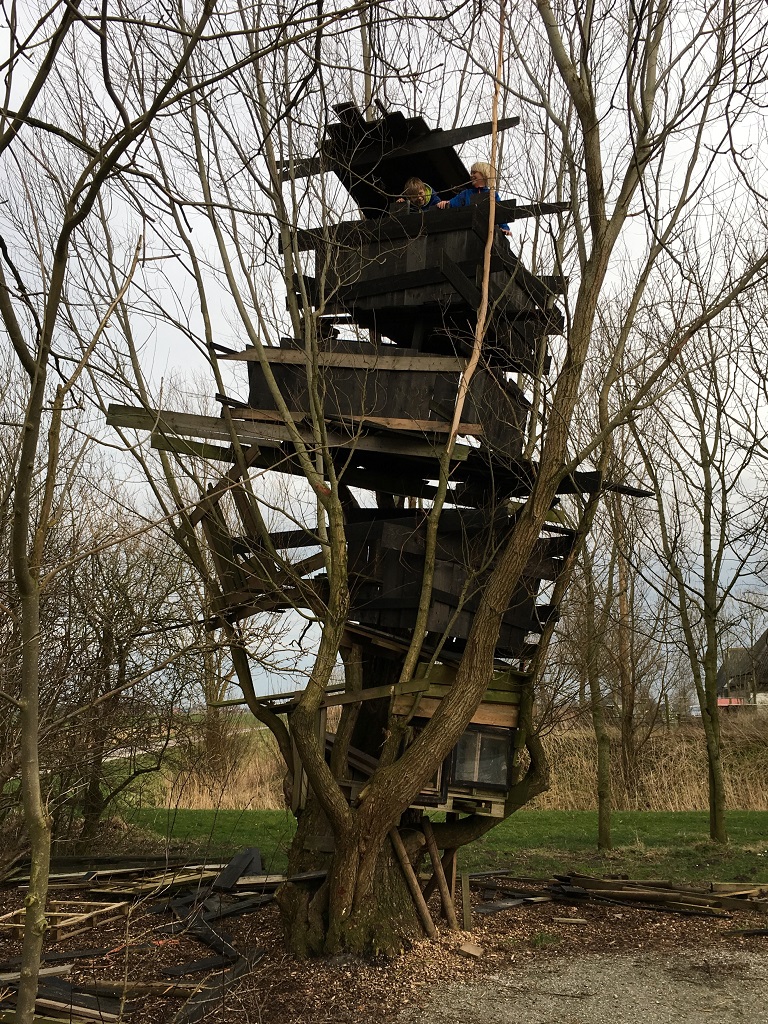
[
  {"x": 701, "y": 450},
  {"x": 220, "y": 185}
]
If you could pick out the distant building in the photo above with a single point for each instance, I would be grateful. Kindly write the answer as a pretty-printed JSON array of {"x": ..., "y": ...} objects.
[{"x": 743, "y": 675}]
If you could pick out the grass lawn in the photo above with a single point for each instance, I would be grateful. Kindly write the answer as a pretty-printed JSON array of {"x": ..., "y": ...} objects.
[{"x": 647, "y": 844}]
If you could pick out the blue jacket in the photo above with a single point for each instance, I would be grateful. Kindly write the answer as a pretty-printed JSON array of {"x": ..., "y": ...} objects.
[{"x": 464, "y": 198}]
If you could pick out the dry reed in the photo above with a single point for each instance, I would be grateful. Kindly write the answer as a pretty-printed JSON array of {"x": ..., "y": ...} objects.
[{"x": 671, "y": 772}]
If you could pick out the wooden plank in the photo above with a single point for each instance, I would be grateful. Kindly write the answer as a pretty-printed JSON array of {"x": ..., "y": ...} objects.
[
  {"x": 9, "y": 1017},
  {"x": 456, "y": 277},
  {"x": 68, "y": 918},
  {"x": 212, "y": 994},
  {"x": 208, "y": 963},
  {"x": 489, "y": 697},
  {"x": 58, "y": 970},
  {"x": 466, "y": 902},
  {"x": 74, "y": 1012},
  {"x": 498, "y": 905},
  {"x": 403, "y": 423},
  {"x": 247, "y": 860},
  {"x": 160, "y": 989},
  {"x": 356, "y": 361},
  {"x": 437, "y": 867},
  {"x": 436, "y": 139},
  {"x": 504, "y": 715},
  {"x": 373, "y": 693},
  {"x": 185, "y": 446},
  {"x": 413, "y": 883}
]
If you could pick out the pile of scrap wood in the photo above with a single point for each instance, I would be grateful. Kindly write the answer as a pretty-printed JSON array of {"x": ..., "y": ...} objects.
[
  {"x": 709, "y": 899},
  {"x": 197, "y": 895}
]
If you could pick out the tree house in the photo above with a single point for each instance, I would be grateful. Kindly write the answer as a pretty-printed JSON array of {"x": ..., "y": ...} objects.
[{"x": 393, "y": 300}]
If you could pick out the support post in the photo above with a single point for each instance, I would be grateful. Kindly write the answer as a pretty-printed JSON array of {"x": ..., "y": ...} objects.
[
  {"x": 413, "y": 883},
  {"x": 466, "y": 905},
  {"x": 437, "y": 867}
]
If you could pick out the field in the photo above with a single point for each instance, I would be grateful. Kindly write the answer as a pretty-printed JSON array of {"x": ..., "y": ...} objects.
[
  {"x": 648, "y": 844},
  {"x": 247, "y": 773}
]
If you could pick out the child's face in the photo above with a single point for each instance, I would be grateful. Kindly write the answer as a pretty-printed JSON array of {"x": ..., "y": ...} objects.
[
  {"x": 479, "y": 180},
  {"x": 418, "y": 197}
]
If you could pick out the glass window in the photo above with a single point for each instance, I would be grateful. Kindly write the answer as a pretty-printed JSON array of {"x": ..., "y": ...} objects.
[{"x": 482, "y": 758}]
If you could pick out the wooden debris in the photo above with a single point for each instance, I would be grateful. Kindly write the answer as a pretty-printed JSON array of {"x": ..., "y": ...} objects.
[
  {"x": 61, "y": 971},
  {"x": 208, "y": 963},
  {"x": 665, "y": 896},
  {"x": 212, "y": 993},
  {"x": 58, "y": 996},
  {"x": 495, "y": 906},
  {"x": 241, "y": 907},
  {"x": 470, "y": 950},
  {"x": 164, "y": 881},
  {"x": 9, "y": 1017},
  {"x": 123, "y": 987},
  {"x": 570, "y": 920},
  {"x": 248, "y": 860},
  {"x": 68, "y": 917}
]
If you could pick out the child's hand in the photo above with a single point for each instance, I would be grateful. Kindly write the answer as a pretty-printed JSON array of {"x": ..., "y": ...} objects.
[{"x": 442, "y": 205}]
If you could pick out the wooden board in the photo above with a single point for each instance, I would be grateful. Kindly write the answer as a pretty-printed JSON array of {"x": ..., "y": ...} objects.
[
  {"x": 68, "y": 917},
  {"x": 177, "y": 423},
  {"x": 357, "y": 361},
  {"x": 504, "y": 715}
]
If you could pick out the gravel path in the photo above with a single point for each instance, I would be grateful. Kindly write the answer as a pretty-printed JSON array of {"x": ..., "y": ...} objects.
[{"x": 689, "y": 987}]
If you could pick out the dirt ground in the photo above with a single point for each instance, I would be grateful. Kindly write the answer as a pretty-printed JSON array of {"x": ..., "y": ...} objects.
[{"x": 624, "y": 966}]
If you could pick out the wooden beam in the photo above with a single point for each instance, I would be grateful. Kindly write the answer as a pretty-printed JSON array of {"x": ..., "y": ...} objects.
[
  {"x": 503, "y": 715},
  {"x": 459, "y": 281},
  {"x": 437, "y": 867},
  {"x": 466, "y": 902},
  {"x": 267, "y": 433},
  {"x": 413, "y": 883},
  {"x": 358, "y": 360}
]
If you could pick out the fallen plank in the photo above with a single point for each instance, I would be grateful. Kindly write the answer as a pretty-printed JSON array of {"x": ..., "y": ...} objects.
[
  {"x": 260, "y": 882},
  {"x": 93, "y": 953},
  {"x": 521, "y": 894},
  {"x": 64, "y": 992},
  {"x": 165, "y": 881},
  {"x": 213, "y": 993},
  {"x": 161, "y": 989},
  {"x": 9, "y": 1017},
  {"x": 75, "y": 1012},
  {"x": 208, "y": 963},
  {"x": 746, "y": 931},
  {"x": 248, "y": 860},
  {"x": 241, "y": 907},
  {"x": 60, "y": 970},
  {"x": 470, "y": 950},
  {"x": 497, "y": 906},
  {"x": 68, "y": 917}
]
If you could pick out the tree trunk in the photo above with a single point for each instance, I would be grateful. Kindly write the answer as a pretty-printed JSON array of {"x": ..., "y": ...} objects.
[
  {"x": 36, "y": 817},
  {"x": 604, "y": 789},
  {"x": 380, "y": 922},
  {"x": 711, "y": 720},
  {"x": 626, "y": 671}
]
